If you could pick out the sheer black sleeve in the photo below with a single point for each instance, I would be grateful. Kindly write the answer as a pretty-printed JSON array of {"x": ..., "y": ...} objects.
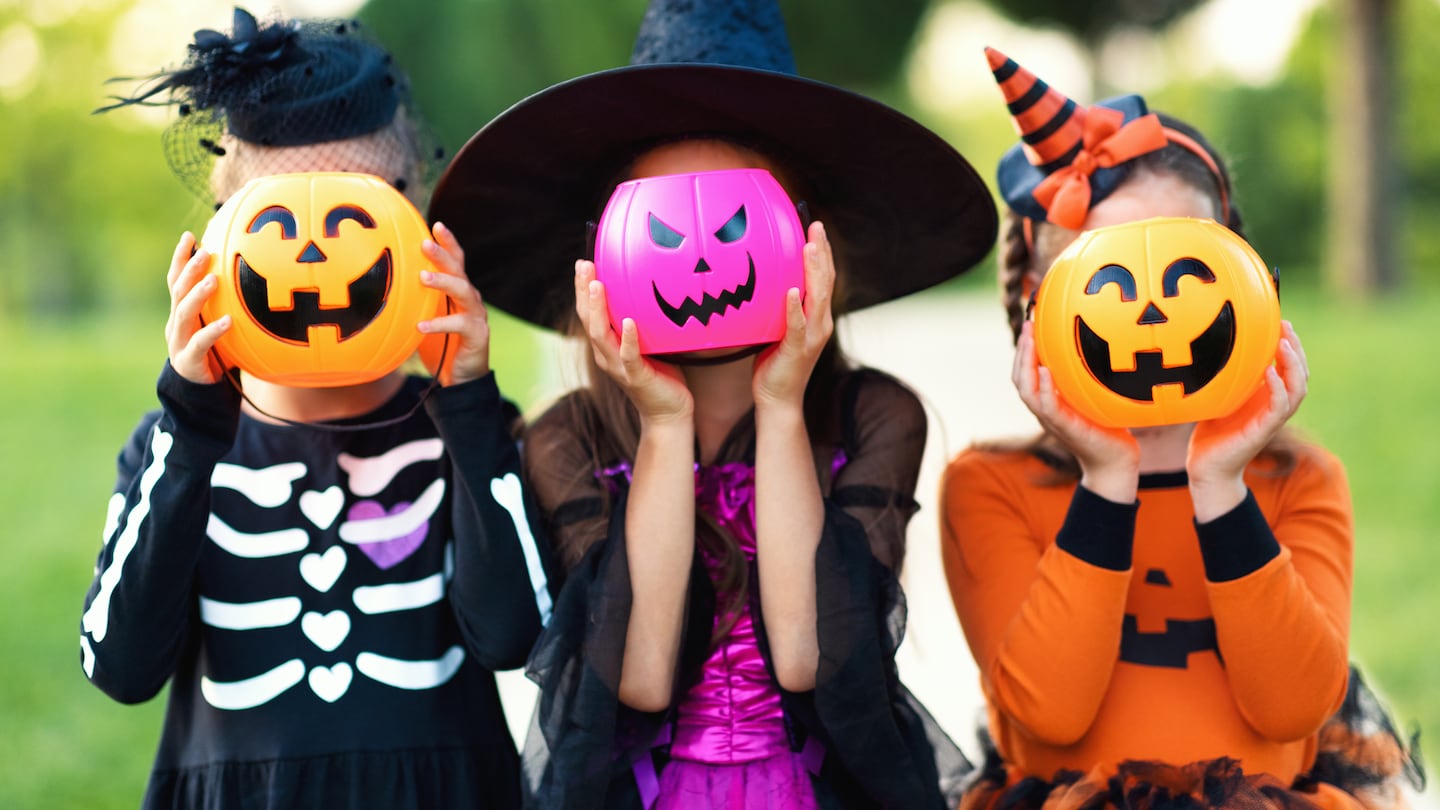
[
  {"x": 583, "y": 743},
  {"x": 884, "y": 429},
  {"x": 561, "y": 471},
  {"x": 879, "y": 738}
]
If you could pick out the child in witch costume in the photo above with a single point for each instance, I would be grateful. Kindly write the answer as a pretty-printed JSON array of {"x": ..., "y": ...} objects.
[
  {"x": 732, "y": 524},
  {"x": 1158, "y": 614},
  {"x": 326, "y": 576}
]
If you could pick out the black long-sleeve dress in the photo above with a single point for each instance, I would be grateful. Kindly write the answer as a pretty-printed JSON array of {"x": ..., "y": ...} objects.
[
  {"x": 327, "y": 605},
  {"x": 880, "y": 747}
]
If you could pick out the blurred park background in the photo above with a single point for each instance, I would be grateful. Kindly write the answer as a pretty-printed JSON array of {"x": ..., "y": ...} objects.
[{"x": 1327, "y": 109}]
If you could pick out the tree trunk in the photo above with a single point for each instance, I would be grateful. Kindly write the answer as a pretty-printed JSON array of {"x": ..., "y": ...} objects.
[{"x": 1363, "y": 257}]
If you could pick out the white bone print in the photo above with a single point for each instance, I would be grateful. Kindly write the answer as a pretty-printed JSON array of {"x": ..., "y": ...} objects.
[
  {"x": 268, "y": 486},
  {"x": 320, "y": 571},
  {"x": 403, "y": 674},
  {"x": 330, "y": 683},
  {"x": 252, "y": 692},
  {"x": 369, "y": 476},
  {"x": 326, "y": 631},
  {"x": 260, "y": 544},
  {"x": 113, "y": 511},
  {"x": 396, "y": 596},
  {"x": 249, "y": 615},
  {"x": 321, "y": 508},
  {"x": 506, "y": 492},
  {"x": 399, "y": 524},
  {"x": 96, "y": 620}
]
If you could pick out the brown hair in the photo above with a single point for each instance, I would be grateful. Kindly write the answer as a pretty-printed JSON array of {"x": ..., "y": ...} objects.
[{"x": 1017, "y": 259}]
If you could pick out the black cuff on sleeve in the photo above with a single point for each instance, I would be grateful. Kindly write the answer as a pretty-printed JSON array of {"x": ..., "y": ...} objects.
[
  {"x": 1099, "y": 531},
  {"x": 1237, "y": 543},
  {"x": 209, "y": 411}
]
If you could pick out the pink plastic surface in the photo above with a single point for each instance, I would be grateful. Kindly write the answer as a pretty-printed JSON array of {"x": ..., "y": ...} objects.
[{"x": 700, "y": 260}]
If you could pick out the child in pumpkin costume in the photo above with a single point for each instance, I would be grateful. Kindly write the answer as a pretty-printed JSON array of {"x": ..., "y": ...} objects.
[
  {"x": 1158, "y": 615},
  {"x": 731, "y": 525},
  {"x": 326, "y": 576}
]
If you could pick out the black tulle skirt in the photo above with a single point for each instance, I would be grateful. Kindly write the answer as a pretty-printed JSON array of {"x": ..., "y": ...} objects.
[{"x": 1363, "y": 763}]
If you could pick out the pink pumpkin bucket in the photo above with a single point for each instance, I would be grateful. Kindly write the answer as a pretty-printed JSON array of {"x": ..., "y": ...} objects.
[{"x": 700, "y": 260}]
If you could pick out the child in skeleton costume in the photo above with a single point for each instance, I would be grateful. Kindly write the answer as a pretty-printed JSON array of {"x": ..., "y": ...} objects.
[
  {"x": 731, "y": 525},
  {"x": 1159, "y": 615},
  {"x": 326, "y": 576}
]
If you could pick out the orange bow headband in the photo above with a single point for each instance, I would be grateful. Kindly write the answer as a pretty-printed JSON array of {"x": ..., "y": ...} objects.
[{"x": 1071, "y": 157}]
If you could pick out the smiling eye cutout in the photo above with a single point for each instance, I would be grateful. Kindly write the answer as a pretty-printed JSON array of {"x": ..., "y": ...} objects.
[
  {"x": 1179, "y": 268},
  {"x": 664, "y": 235},
  {"x": 1114, "y": 274},
  {"x": 274, "y": 213},
  {"x": 339, "y": 214},
  {"x": 733, "y": 229}
]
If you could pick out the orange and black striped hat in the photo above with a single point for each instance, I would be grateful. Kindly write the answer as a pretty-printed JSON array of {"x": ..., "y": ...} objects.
[{"x": 1069, "y": 156}]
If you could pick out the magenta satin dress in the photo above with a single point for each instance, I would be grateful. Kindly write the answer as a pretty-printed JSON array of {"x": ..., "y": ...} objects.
[{"x": 729, "y": 747}]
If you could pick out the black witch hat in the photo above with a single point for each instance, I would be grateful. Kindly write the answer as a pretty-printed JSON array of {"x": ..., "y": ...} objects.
[{"x": 905, "y": 210}]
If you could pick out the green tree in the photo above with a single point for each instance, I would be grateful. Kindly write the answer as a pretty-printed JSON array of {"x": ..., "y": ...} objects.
[
  {"x": 470, "y": 61},
  {"x": 88, "y": 209},
  {"x": 1283, "y": 150},
  {"x": 1364, "y": 171},
  {"x": 1091, "y": 22}
]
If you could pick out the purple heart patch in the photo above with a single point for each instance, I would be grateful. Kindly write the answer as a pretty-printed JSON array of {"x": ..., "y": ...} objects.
[{"x": 387, "y": 553}]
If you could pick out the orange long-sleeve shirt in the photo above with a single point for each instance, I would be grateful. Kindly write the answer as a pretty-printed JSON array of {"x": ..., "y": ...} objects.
[{"x": 1085, "y": 665}]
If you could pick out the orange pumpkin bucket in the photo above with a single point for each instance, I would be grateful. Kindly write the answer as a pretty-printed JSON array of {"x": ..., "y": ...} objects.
[
  {"x": 320, "y": 272},
  {"x": 1157, "y": 322}
]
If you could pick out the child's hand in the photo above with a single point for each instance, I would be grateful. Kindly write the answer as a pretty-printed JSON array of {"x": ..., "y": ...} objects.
[
  {"x": 187, "y": 341},
  {"x": 1109, "y": 457},
  {"x": 1220, "y": 449},
  {"x": 784, "y": 369},
  {"x": 467, "y": 319},
  {"x": 657, "y": 389}
]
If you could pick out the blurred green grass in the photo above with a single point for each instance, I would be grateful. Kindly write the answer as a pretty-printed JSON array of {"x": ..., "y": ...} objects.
[{"x": 73, "y": 391}]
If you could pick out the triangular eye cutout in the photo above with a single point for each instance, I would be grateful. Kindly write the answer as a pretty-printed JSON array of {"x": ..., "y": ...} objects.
[
  {"x": 664, "y": 235},
  {"x": 733, "y": 229}
]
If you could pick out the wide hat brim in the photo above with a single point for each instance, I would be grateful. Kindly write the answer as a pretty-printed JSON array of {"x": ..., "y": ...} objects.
[{"x": 904, "y": 209}]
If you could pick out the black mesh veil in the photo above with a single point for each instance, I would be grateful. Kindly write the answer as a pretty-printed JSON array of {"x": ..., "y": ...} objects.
[{"x": 287, "y": 96}]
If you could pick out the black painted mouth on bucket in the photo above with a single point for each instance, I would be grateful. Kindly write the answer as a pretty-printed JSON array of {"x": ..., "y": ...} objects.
[
  {"x": 710, "y": 305},
  {"x": 1209, "y": 353},
  {"x": 368, "y": 295}
]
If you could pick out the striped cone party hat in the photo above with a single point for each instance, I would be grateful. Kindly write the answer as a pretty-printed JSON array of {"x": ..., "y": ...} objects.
[
  {"x": 1049, "y": 122},
  {"x": 1069, "y": 156}
]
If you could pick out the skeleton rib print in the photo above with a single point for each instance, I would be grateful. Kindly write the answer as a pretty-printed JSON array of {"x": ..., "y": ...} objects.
[
  {"x": 385, "y": 507},
  {"x": 314, "y": 600}
]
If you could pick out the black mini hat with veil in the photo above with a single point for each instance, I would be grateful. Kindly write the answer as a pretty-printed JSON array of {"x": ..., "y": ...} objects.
[{"x": 290, "y": 83}]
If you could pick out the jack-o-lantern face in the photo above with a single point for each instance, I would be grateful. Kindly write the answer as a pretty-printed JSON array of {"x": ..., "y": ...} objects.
[
  {"x": 1157, "y": 322},
  {"x": 700, "y": 260},
  {"x": 321, "y": 275}
]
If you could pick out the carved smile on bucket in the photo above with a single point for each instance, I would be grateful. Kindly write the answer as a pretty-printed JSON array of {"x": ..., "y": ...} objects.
[{"x": 1210, "y": 352}]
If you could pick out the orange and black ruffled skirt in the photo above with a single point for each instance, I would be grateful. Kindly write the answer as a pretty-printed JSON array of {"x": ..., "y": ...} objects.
[{"x": 1362, "y": 764}]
